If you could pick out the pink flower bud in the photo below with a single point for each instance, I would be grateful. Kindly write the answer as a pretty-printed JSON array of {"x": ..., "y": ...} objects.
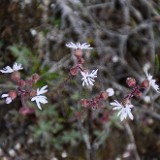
[
  {"x": 74, "y": 71},
  {"x": 84, "y": 102},
  {"x": 131, "y": 82},
  {"x": 138, "y": 94},
  {"x": 144, "y": 84},
  {"x": 15, "y": 76},
  {"x": 35, "y": 77},
  {"x": 12, "y": 94},
  {"x": 29, "y": 82},
  {"x": 103, "y": 95},
  {"x": 21, "y": 83}
]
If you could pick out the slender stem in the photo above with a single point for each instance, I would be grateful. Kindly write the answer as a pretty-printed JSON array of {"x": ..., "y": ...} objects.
[
  {"x": 86, "y": 140},
  {"x": 130, "y": 95},
  {"x": 131, "y": 136},
  {"x": 23, "y": 100}
]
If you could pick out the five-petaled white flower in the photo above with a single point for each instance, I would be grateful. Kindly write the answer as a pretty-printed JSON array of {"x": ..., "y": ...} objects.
[
  {"x": 152, "y": 82},
  {"x": 110, "y": 92},
  {"x": 8, "y": 69},
  {"x": 78, "y": 45},
  {"x": 39, "y": 98},
  {"x": 124, "y": 110},
  {"x": 88, "y": 78},
  {"x": 8, "y": 98}
]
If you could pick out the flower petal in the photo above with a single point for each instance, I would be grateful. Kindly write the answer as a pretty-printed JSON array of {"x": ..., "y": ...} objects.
[
  {"x": 128, "y": 110},
  {"x": 40, "y": 99},
  {"x": 78, "y": 45},
  {"x": 17, "y": 67},
  {"x": 8, "y": 100},
  {"x": 4, "y": 95},
  {"x": 38, "y": 105},
  {"x": 117, "y": 108},
  {"x": 7, "y": 69},
  {"x": 42, "y": 90}
]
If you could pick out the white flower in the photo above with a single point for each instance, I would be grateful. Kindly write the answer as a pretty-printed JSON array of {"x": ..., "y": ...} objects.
[
  {"x": 88, "y": 78},
  {"x": 39, "y": 98},
  {"x": 8, "y": 98},
  {"x": 33, "y": 32},
  {"x": 110, "y": 92},
  {"x": 64, "y": 154},
  {"x": 152, "y": 82},
  {"x": 78, "y": 45},
  {"x": 124, "y": 110},
  {"x": 8, "y": 69}
]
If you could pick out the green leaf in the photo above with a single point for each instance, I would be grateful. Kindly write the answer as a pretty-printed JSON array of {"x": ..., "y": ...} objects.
[
  {"x": 22, "y": 53},
  {"x": 157, "y": 63},
  {"x": 71, "y": 137}
]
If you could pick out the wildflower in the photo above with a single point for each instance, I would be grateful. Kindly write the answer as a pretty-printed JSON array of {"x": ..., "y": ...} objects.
[
  {"x": 39, "y": 98},
  {"x": 88, "y": 78},
  {"x": 8, "y": 98},
  {"x": 8, "y": 69},
  {"x": 78, "y": 45},
  {"x": 125, "y": 110},
  {"x": 110, "y": 92},
  {"x": 152, "y": 82}
]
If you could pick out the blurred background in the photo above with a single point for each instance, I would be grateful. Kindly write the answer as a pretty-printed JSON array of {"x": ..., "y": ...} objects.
[{"x": 125, "y": 35}]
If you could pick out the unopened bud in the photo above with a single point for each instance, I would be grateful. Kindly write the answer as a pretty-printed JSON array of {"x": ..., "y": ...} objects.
[
  {"x": 110, "y": 92},
  {"x": 131, "y": 82},
  {"x": 103, "y": 95},
  {"x": 74, "y": 71},
  {"x": 33, "y": 93},
  {"x": 78, "y": 53},
  {"x": 84, "y": 102},
  {"x": 138, "y": 94},
  {"x": 29, "y": 82},
  {"x": 144, "y": 84},
  {"x": 12, "y": 94},
  {"x": 35, "y": 77},
  {"x": 21, "y": 83},
  {"x": 15, "y": 76}
]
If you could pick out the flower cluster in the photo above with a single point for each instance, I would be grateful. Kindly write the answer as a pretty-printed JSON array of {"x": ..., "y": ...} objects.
[
  {"x": 125, "y": 105},
  {"x": 88, "y": 78},
  {"x": 97, "y": 102},
  {"x": 25, "y": 89}
]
